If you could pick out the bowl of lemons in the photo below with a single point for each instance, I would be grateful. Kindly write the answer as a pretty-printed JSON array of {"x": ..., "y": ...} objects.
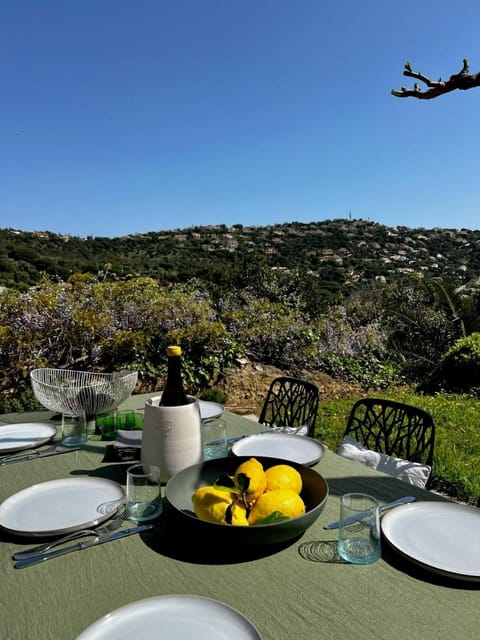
[{"x": 245, "y": 500}]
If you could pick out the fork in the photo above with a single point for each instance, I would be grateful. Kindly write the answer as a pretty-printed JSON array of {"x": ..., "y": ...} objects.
[
  {"x": 108, "y": 528},
  {"x": 20, "y": 454}
]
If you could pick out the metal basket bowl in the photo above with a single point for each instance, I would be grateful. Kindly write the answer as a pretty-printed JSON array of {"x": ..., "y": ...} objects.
[{"x": 68, "y": 391}]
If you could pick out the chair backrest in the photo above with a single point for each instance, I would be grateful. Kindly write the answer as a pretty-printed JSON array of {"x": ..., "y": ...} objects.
[
  {"x": 397, "y": 429},
  {"x": 290, "y": 402}
]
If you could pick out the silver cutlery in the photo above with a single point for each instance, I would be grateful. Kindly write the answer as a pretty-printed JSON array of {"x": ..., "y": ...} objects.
[
  {"x": 26, "y": 452},
  {"x": 79, "y": 546},
  {"x": 359, "y": 516},
  {"x": 111, "y": 526},
  {"x": 45, "y": 453}
]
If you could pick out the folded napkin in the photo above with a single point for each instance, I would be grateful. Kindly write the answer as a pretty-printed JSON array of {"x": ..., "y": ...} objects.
[
  {"x": 126, "y": 447},
  {"x": 128, "y": 439},
  {"x": 411, "y": 472}
]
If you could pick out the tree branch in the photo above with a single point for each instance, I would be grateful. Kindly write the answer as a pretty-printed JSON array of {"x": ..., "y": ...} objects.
[{"x": 462, "y": 80}]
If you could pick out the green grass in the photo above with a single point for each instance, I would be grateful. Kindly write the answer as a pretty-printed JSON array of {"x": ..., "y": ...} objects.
[{"x": 456, "y": 467}]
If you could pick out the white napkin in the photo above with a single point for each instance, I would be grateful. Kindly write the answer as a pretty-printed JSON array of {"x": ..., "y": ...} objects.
[
  {"x": 127, "y": 439},
  {"x": 411, "y": 472}
]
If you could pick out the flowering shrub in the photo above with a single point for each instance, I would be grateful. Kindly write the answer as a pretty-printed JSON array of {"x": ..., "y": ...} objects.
[
  {"x": 105, "y": 325},
  {"x": 91, "y": 325},
  {"x": 337, "y": 333},
  {"x": 270, "y": 332}
]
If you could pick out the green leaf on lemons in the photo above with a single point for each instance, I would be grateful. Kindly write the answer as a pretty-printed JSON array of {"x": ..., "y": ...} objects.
[
  {"x": 275, "y": 516},
  {"x": 224, "y": 482}
]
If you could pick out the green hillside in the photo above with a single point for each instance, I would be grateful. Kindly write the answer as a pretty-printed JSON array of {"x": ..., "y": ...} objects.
[{"x": 338, "y": 253}]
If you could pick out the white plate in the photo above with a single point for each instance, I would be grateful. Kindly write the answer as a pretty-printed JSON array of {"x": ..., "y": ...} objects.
[
  {"x": 442, "y": 536},
  {"x": 209, "y": 410},
  {"x": 299, "y": 449},
  {"x": 25, "y": 435},
  {"x": 172, "y": 618},
  {"x": 57, "y": 507}
]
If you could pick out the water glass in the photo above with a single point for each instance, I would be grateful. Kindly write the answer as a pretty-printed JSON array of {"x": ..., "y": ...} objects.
[
  {"x": 125, "y": 419},
  {"x": 136, "y": 421},
  {"x": 109, "y": 423},
  {"x": 359, "y": 530},
  {"x": 144, "y": 494},
  {"x": 214, "y": 439},
  {"x": 74, "y": 429},
  {"x": 105, "y": 423}
]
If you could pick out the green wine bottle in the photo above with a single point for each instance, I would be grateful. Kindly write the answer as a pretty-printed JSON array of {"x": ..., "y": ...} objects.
[{"x": 173, "y": 393}]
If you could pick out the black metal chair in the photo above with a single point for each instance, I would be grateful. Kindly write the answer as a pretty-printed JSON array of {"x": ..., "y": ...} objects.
[
  {"x": 290, "y": 402},
  {"x": 397, "y": 429}
]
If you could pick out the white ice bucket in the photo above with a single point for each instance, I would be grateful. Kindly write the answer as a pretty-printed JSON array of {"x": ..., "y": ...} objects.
[{"x": 172, "y": 437}]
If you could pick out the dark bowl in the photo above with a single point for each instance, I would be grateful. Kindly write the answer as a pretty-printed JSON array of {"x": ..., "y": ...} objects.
[{"x": 182, "y": 486}]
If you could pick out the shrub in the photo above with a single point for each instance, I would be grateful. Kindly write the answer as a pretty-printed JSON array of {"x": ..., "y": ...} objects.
[
  {"x": 460, "y": 366},
  {"x": 270, "y": 333},
  {"x": 367, "y": 370},
  {"x": 105, "y": 326},
  {"x": 214, "y": 395},
  {"x": 340, "y": 333}
]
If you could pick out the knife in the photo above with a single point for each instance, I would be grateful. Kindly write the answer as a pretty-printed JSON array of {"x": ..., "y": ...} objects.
[
  {"x": 40, "y": 454},
  {"x": 362, "y": 514},
  {"x": 20, "y": 564}
]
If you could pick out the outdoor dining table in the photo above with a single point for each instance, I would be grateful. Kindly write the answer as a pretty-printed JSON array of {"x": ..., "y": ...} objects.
[{"x": 297, "y": 589}]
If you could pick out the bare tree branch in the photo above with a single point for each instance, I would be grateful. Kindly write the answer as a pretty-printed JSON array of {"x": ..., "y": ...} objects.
[{"x": 462, "y": 80}]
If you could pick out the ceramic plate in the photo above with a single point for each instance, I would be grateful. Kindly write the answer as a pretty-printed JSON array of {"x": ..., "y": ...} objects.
[
  {"x": 442, "y": 536},
  {"x": 25, "y": 435},
  {"x": 172, "y": 618},
  {"x": 209, "y": 410},
  {"x": 57, "y": 507},
  {"x": 280, "y": 445}
]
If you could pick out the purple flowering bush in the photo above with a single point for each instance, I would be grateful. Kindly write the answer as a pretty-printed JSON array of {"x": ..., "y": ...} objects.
[
  {"x": 85, "y": 324},
  {"x": 105, "y": 326}
]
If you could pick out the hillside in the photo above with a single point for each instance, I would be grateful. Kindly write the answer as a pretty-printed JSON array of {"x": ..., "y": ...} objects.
[{"x": 341, "y": 253}]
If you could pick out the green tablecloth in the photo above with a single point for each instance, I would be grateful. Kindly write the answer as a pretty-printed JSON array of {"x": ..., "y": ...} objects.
[{"x": 293, "y": 592}]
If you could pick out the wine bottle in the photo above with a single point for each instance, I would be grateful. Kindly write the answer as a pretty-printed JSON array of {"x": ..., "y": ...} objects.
[
  {"x": 173, "y": 393},
  {"x": 172, "y": 434}
]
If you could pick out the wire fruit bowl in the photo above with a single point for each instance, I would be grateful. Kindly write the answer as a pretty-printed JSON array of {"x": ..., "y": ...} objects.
[{"x": 68, "y": 391}]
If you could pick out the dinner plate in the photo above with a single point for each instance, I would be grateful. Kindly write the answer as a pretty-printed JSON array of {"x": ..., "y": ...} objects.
[
  {"x": 299, "y": 449},
  {"x": 442, "y": 536},
  {"x": 173, "y": 618},
  {"x": 209, "y": 410},
  {"x": 25, "y": 435},
  {"x": 60, "y": 506}
]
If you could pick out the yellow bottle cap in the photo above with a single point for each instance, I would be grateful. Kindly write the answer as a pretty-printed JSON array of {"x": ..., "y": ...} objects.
[{"x": 174, "y": 351}]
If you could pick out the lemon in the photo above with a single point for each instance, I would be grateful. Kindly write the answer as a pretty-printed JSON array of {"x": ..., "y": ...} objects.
[
  {"x": 283, "y": 476},
  {"x": 285, "y": 501},
  {"x": 239, "y": 515},
  {"x": 210, "y": 504},
  {"x": 257, "y": 483}
]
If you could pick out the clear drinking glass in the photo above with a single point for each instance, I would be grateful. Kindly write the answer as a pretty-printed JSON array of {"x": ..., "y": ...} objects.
[
  {"x": 214, "y": 439},
  {"x": 359, "y": 530},
  {"x": 144, "y": 497},
  {"x": 74, "y": 429}
]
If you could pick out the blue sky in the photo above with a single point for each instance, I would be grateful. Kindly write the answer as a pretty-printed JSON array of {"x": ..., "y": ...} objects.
[{"x": 126, "y": 116}]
